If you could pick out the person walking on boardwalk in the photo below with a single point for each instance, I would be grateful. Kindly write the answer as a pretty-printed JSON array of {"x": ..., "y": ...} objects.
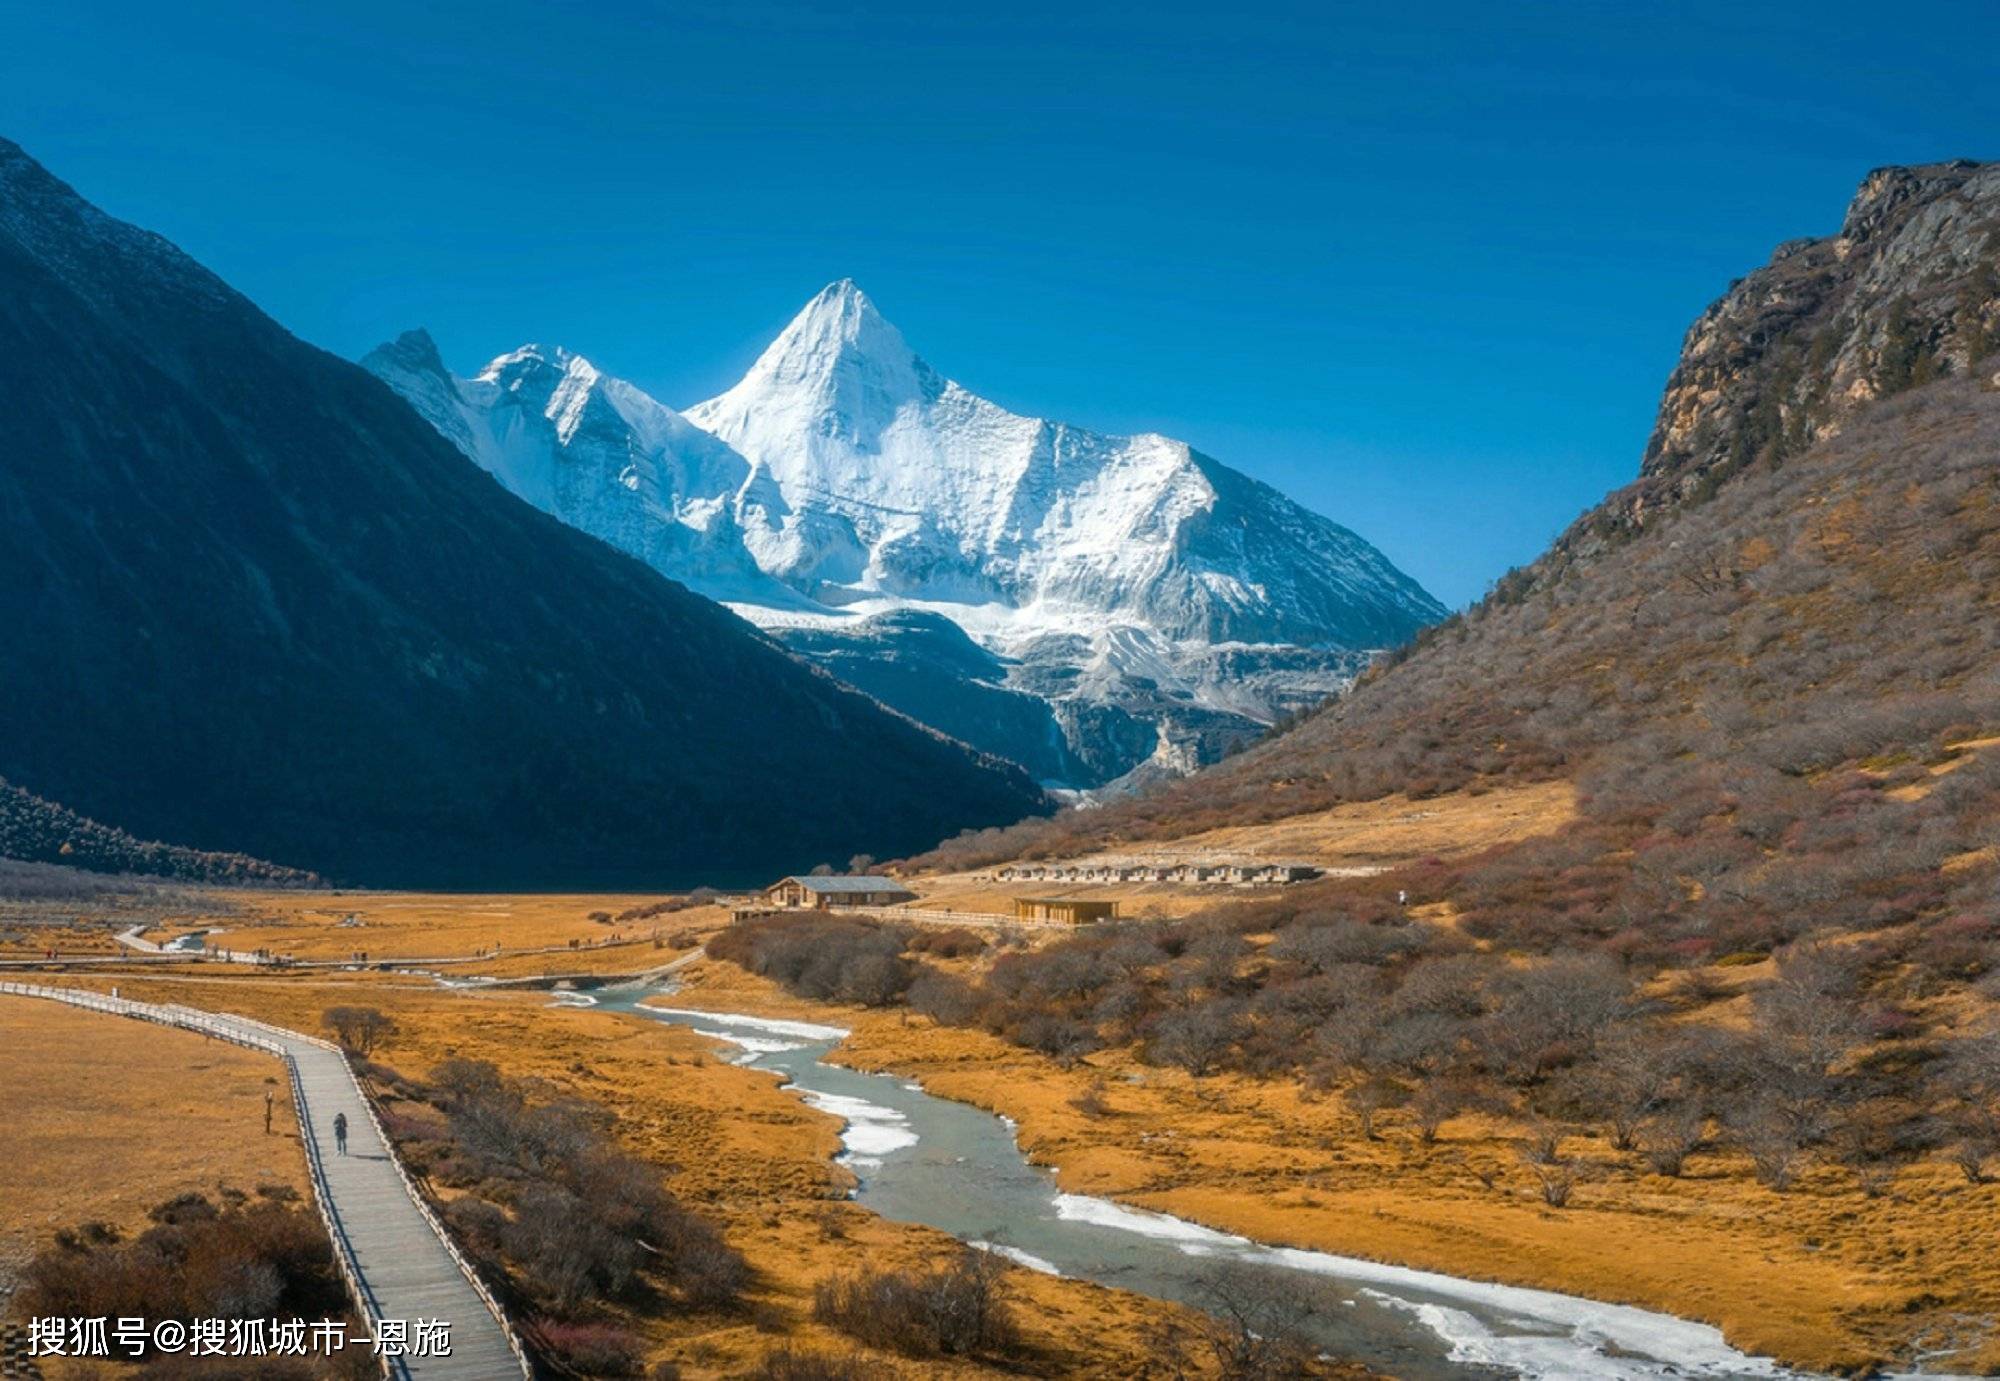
[{"x": 340, "y": 1132}]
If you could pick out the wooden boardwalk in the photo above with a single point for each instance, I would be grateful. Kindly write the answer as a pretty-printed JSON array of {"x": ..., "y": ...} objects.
[{"x": 399, "y": 1262}]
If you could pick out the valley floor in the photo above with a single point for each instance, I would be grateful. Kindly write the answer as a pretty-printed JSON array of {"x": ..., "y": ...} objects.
[
  {"x": 1819, "y": 1277},
  {"x": 729, "y": 1144}
]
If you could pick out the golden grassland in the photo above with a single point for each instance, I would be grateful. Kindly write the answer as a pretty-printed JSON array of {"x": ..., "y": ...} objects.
[
  {"x": 729, "y": 1143},
  {"x": 70, "y": 939},
  {"x": 1395, "y": 829},
  {"x": 1821, "y": 1277},
  {"x": 421, "y": 925},
  {"x": 101, "y": 1118}
]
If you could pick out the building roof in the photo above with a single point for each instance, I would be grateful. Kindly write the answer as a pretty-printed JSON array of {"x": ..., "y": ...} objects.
[{"x": 838, "y": 886}]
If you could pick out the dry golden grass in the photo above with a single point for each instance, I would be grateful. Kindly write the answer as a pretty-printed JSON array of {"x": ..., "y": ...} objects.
[
  {"x": 22, "y": 941},
  {"x": 1363, "y": 837},
  {"x": 1387, "y": 832},
  {"x": 105, "y": 1117},
  {"x": 1821, "y": 1276},
  {"x": 420, "y": 925},
  {"x": 755, "y": 1159}
]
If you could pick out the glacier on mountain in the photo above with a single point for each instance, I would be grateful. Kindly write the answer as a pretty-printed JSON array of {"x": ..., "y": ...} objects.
[{"x": 1085, "y": 604}]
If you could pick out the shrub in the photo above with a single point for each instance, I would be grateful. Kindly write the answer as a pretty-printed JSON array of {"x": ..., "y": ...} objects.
[
  {"x": 952, "y": 1310},
  {"x": 1557, "y": 1181},
  {"x": 1667, "y": 1140},
  {"x": 1195, "y": 1038},
  {"x": 1370, "y": 1096},
  {"x": 358, "y": 1029},
  {"x": 594, "y": 1349},
  {"x": 249, "y": 1258},
  {"x": 1257, "y": 1318},
  {"x": 588, "y": 1221},
  {"x": 793, "y": 1364}
]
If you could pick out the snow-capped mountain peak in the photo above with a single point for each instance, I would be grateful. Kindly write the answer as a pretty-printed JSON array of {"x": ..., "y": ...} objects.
[
  {"x": 843, "y": 352},
  {"x": 1136, "y": 587},
  {"x": 838, "y": 373}
]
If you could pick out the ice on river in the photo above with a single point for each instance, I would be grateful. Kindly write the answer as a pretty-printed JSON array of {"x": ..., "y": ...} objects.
[
  {"x": 870, "y": 1131},
  {"x": 1017, "y": 1256},
  {"x": 798, "y": 1030},
  {"x": 1537, "y": 1333}
]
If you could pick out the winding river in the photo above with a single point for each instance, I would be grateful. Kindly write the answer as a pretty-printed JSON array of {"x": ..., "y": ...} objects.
[{"x": 951, "y": 1166}]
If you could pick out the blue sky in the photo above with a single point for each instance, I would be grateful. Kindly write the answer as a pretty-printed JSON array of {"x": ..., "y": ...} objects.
[{"x": 1424, "y": 267}]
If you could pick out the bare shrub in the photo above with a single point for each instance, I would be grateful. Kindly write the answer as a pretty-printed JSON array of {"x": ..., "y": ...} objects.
[
  {"x": 358, "y": 1029},
  {"x": 798, "y": 1364},
  {"x": 1257, "y": 1321},
  {"x": 592, "y": 1349},
  {"x": 1370, "y": 1096},
  {"x": 1434, "y": 1103},
  {"x": 248, "y": 1258},
  {"x": 1543, "y": 1143},
  {"x": 1773, "y": 1149},
  {"x": 1667, "y": 1139},
  {"x": 944, "y": 998},
  {"x": 589, "y": 1221},
  {"x": 1195, "y": 1038},
  {"x": 1091, "y": 1102}
]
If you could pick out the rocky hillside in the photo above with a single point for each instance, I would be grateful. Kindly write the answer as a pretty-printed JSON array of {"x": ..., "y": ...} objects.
[
  {"x": 1764, "y": 956},
  {"x": 255, "y": 603},
  {"x": 1908, "y": 291}
]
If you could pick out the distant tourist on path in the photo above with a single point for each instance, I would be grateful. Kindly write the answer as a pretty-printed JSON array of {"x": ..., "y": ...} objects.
[{"x": 340, "y": 1132}]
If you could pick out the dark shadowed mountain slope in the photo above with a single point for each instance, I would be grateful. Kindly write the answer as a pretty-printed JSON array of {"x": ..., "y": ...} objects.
[
  {"x": 253, "y": 602},
  {"x": 36, "y": 831}
]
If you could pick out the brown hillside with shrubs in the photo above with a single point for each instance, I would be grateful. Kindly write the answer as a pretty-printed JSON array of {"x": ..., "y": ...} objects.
[
  {"x": 1768, "y": 944},
  {"x": 1775, "y": 674}
]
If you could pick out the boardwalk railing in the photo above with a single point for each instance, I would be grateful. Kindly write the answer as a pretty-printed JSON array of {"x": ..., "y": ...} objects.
[
  {"x": 271, "y": 1040},
  {"x": 458, "y": 1257}
]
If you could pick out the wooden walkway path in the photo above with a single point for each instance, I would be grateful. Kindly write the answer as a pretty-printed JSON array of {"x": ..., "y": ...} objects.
[{"x": 399, "y": 1262}]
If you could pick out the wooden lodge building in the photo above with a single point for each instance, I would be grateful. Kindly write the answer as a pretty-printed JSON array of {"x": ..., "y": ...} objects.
[
  {"x": 1066, "y": 910},
  {"x": 827, "y": 893}
]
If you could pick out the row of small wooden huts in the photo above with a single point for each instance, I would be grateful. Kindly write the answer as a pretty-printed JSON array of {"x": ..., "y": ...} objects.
[{"x": 1250, "y": 871}]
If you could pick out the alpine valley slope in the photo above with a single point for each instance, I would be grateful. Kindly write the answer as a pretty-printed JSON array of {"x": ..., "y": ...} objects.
[
  {"x": 1082, "y": 604},
  {"x": 254, "y": 603}
]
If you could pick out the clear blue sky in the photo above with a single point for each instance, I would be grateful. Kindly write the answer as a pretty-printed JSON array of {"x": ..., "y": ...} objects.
[{"x": 1424, "y": 267}]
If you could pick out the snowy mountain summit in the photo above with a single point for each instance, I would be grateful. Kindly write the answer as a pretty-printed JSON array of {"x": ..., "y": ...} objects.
[{"x": 1085, "y": 604}]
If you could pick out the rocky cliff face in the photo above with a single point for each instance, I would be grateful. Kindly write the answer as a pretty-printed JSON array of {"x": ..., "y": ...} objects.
[{"x": 1908, "y": 291}]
